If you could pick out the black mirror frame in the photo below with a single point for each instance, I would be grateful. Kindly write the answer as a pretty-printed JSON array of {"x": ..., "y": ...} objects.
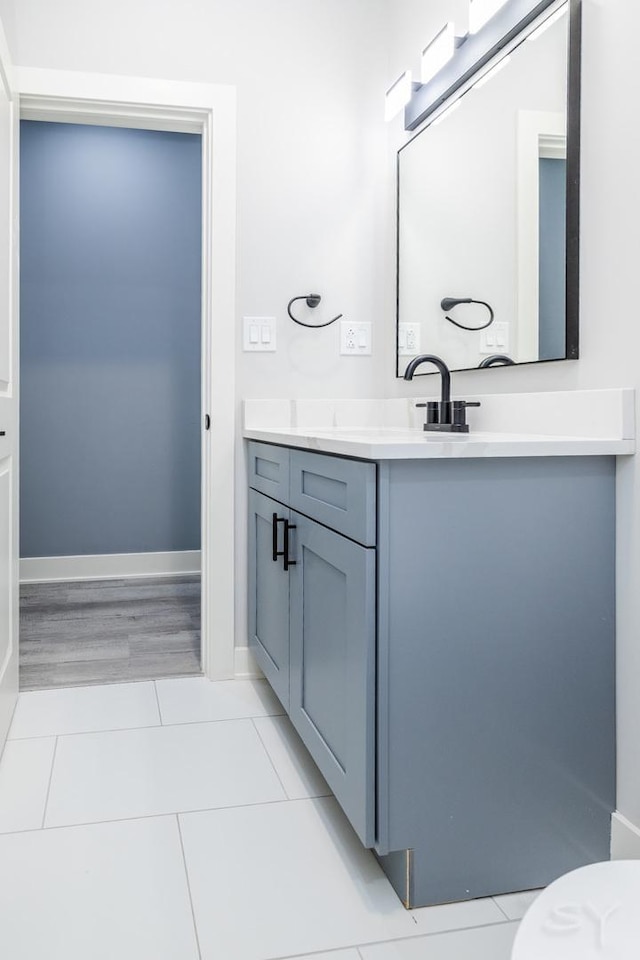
[{"x": 426, "y": 100}]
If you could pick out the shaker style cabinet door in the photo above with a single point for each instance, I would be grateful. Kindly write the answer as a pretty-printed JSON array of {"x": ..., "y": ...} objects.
[
  {"x": 269, "y": 592},
  {"x": 332, "y": 663}
]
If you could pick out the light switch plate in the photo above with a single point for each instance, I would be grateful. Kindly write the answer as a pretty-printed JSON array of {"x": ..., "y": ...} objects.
[
  {"x": 259, "y": 334},
  {"x": 495, "y": 339},
  {"x": 355, "y": 339}
]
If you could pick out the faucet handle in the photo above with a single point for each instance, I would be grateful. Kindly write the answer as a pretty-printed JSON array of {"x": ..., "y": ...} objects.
[
  {"x": 433, "y": 411},
  {"x": 459, "y": 420}
]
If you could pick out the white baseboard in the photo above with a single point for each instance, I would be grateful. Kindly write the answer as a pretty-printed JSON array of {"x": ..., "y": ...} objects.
[
  {"x": 625, "y": 839},
  {"x": 246, "y": 667},
  {"x": 109, "y": 566}
]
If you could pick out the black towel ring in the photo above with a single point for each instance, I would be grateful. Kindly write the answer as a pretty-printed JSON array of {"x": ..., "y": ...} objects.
[
  {"x": 312, "y": 300},
  {"x": 450, "y": 302}
]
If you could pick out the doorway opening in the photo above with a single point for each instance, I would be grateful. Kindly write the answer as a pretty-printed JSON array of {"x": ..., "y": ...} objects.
[
  {"x": 210, "y": 111},
  {"x": 111, "y": 403}
]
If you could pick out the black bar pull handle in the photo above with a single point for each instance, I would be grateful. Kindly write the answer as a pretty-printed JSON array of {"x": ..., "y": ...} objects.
[
  {"x": 286, "y": 561},
  {"x": 275, "y": 553}
]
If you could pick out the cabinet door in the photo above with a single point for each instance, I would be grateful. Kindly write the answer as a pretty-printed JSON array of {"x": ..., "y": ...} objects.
[
  {"x": 332, "y": 663},
  {"x": 269, "y": 592}
]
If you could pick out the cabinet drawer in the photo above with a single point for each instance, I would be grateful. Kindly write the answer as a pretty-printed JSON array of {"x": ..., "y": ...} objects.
[
  {"x": 269, "y": 470},
  {"x": 339, "y": 493}
]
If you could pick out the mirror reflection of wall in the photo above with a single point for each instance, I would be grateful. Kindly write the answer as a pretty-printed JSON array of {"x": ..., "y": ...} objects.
[{"x": 482, "y": 210}]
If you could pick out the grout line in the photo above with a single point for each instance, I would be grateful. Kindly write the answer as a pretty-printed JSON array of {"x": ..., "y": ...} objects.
[
  {"x": 172, "y": 813},
  {"x": 271, "y": 761},
  {"x": 186, "y": 874},
  {"x": 46, "y": 801},
  {"x": 392, "y": 940},
  {"x": 124, "y": 681},
  {"x": 70, "y": 687},
  {"x": 323, "y": 953},
  {"x": 87, "y": 733},
  {"x": 503, "y": 912},
  {"x": 13, "y": 714},
  {"x": 149, "y": 726},
  {"x": 155, "y": 687}
]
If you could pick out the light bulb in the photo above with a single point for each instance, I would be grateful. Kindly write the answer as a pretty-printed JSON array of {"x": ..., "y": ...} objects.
[
  {"x": 481, "y": 11},
  {"x": 438, "y": 52},
  {"x": 398, "y": 96}
]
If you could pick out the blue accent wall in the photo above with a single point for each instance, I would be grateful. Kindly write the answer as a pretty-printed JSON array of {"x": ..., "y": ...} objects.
[
  {"x": 110, "y": 340},
  {"x": 552, "y": 277}
]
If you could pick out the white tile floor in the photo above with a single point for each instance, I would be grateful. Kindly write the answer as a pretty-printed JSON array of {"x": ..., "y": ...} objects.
[{"x": 184, "y": 820}]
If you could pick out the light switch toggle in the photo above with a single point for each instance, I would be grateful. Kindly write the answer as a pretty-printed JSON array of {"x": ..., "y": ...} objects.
[
  {"x": 259, "y": 334},
  {"x": 495, "y": 337}
]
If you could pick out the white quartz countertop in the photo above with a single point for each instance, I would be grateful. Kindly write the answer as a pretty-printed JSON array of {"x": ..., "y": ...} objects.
[
  {"x": 553, "y": 424},
  {"x": 416, "y": 444}
]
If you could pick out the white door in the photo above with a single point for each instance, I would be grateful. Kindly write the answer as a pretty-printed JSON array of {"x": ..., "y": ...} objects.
[{"x": 9, "y": 133}]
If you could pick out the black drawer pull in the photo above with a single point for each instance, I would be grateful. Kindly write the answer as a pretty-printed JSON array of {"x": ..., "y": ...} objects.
[{"x": 287, "y": 562}]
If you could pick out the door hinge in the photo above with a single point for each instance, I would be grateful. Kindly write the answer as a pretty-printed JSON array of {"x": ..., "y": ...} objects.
[{"x": 207, "y": 421}]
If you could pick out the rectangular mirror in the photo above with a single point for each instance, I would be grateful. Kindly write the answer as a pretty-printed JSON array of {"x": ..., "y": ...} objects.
[{"x": 488, "y": 211}]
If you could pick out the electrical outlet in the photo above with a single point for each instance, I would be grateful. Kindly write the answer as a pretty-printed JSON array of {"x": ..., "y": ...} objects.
[
  {"x": 408, "y": 339},
  {"x": 355, "y": 339}
]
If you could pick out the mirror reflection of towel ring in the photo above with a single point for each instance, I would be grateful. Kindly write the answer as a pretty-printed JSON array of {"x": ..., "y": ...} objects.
[
  {"x": 496, "y": 360},
  {"x": 450, "y": 302},
  {"x": 312, "y": 301}
]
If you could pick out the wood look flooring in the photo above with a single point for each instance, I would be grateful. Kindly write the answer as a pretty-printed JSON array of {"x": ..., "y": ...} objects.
[{"x": 109, "y": 631}]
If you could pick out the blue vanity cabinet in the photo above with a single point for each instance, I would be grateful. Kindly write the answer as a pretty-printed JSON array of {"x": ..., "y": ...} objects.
[{"x": 448, "y": 630}]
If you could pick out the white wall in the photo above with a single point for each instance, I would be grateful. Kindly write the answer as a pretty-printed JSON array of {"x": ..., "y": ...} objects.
[
  {"x": 609, "y": 323},
  {"x": 310, "y": 134}
]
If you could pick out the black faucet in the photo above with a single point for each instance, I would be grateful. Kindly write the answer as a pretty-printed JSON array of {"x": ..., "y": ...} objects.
[{"x": 445, "y": 415}]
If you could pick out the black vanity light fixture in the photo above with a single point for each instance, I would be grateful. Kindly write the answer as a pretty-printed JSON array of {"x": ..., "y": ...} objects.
[{"x": 451, "y": 59}]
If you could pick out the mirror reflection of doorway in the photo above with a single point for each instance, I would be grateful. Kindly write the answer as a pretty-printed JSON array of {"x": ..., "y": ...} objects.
[
  {"x": 552, "y": 184},
  {"x": 111, "y": 408}
]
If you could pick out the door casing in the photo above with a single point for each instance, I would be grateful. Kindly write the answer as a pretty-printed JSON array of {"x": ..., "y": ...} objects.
[
  {"x": 209, "y": 110},
  {"x": 9, "y": 373}
]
